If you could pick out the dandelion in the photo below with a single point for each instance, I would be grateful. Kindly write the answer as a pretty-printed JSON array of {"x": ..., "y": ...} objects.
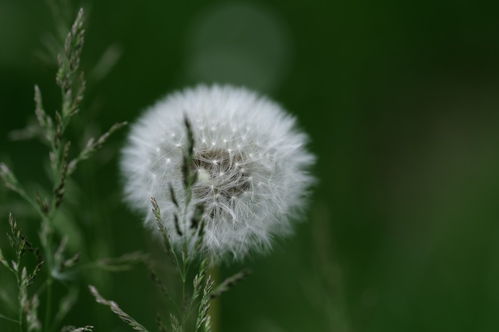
[{"x": 250, "y": 162}]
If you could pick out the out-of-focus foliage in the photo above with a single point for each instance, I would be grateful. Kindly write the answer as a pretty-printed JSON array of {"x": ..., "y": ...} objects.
[{"x": 401, "y": 101}]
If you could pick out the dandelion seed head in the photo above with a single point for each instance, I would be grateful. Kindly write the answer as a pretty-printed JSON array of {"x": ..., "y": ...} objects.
[{"x": 250, "y": 159}]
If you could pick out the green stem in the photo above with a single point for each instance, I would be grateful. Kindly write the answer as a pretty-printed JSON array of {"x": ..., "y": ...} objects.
[
  {"x": 48, "y": 304},
  {"x": 184, "y": 307},
  {"x": 46, "y": 239},
  {"x": 214, "y": 312},
  {"x": 8, "y": 319},
  {"x": 20, "y": 294},
  {"x": 20, "y": 319}
]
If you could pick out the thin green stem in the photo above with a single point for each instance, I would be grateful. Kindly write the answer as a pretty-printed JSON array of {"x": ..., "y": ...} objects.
[
  {"x": 22, "y": 193},
  {"x": 47, "y": 247},
  {"x": 184, "y": 309},
  {"x": 19, "y": 295},
  {"x": 46, "y": 242},
  {"x": 48, "y": 306},
  {"x": 42, "y": 288},
  {"x": 214, "y": 311},
  {"x": 8, "y": 319}
]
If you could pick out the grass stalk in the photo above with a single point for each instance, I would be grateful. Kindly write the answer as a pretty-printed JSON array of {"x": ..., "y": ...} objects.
[{"x": 214, "y": 311}]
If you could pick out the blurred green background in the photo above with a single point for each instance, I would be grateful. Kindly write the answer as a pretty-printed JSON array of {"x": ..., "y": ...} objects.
[{"x": 401, "y": 100}]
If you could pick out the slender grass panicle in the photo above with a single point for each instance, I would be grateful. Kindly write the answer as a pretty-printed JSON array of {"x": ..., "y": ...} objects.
[
  {"x": 55, "y": 290},
  {"x": 248, "y": 159}
]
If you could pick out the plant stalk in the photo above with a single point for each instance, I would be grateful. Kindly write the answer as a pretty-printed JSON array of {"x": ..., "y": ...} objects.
[{"x": 214, "y": 312}]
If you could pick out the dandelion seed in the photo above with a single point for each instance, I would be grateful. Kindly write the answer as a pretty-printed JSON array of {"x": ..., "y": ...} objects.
[{"x": 244, "y": 208}]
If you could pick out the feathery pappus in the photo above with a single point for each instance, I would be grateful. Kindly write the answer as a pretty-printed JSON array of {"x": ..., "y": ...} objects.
[{"x": 250, "y": 159}]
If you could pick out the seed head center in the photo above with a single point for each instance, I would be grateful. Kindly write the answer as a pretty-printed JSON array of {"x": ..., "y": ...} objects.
[{"x": 220, "y": 174}]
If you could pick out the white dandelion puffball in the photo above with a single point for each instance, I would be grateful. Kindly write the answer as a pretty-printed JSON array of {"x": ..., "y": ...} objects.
[{"x": 251, "y": 163}]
